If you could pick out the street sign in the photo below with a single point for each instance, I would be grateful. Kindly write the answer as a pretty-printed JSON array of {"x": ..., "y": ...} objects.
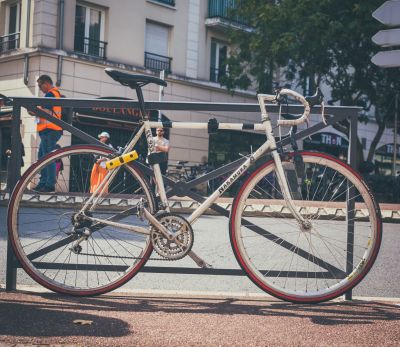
[
  {"x": 387, "y": 38},
  {"x": 388, "y": 13},
  {"x": 387, "y": 58}
]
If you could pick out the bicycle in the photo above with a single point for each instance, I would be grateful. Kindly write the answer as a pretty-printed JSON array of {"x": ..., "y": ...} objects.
[
  {"x": 182, "y": 172},
  {"x": 93, "y": 243}
]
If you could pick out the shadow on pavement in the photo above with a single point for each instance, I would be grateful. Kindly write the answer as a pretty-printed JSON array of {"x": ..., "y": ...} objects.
[
  {"x": 19, "y": 317},
  {"x": 48, "y": 314}
]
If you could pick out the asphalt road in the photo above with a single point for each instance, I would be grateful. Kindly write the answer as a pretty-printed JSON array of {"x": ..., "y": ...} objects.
[
  {"x": 212, "y": 244},
  {"x": 116, "y": 319}
]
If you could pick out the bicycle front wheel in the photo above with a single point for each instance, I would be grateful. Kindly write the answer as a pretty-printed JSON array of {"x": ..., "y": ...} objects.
[
  {"x": 43, "y": 228},
  {"x": 320, "y": 258}
]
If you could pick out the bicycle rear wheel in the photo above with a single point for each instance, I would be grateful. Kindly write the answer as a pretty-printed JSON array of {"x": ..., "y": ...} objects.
[
  {"x": 311, "y": 263},
  {"x": 43, "y": 231}
]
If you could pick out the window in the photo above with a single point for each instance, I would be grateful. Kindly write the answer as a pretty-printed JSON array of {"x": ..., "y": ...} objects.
[
  {"x": 166, "y": 2},
  {"x": 218, "y": 67},
  {"x": 156, "y": 49},
  {"x": 12, "y": 28},
  {"x": 89, "y": 31}
]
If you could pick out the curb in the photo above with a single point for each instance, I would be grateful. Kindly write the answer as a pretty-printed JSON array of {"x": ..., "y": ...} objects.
[{"x": 179, "y": 294}]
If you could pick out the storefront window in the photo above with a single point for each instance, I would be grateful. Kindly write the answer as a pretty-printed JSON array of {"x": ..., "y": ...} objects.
[
  {"x": 384, "y": 159},
  {"x": 330, "y": 143},
  {"x": 227, "y": 146}
]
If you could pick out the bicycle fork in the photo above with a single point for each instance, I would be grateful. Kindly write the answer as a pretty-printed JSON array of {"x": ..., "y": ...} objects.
[{"x": 279, "y": 171}]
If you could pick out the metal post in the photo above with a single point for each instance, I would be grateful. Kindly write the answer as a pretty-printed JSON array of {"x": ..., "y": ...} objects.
[
  {"x": 352, "y": 160},
  {"x": 396, "y": 111},
  {"x": 14, "y": 174},
  {"x": 1, "y": 155},
  {"x": 161, "y": 93}
]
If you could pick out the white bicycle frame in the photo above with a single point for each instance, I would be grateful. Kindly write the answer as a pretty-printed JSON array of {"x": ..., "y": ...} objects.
[{"x": 268, "y": 146}]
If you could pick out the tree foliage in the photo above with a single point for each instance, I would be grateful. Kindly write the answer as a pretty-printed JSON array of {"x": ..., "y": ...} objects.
[{"x": 314, "y": 41}]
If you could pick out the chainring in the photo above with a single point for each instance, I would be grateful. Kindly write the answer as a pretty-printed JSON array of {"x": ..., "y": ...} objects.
[{"x": 183, "y": 242}]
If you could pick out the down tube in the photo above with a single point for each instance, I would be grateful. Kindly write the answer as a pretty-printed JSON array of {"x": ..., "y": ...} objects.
[{"x": 267, "y": 146}]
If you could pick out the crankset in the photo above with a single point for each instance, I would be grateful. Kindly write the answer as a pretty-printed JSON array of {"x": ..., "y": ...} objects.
[{"x": 181, "y": 242}]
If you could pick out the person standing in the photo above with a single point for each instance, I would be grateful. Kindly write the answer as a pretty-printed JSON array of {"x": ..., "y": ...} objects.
[
  {"x": 161, "y": 145},
  {"x": 49, "y": 134},
  {"x": 99, "y": 170}
]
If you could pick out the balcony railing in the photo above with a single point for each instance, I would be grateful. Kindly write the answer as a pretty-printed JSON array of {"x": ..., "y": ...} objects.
[
  {"x": 89, "y": 46},
  {"x": 157, "y": 62},
  {"x": 224, "y": 9},
  {"x": 216, "y": 74},
  {"x": 166, "y": 2},
  {"x": 9, "y": 42}
]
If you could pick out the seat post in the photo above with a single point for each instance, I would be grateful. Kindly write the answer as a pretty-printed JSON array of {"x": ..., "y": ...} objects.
[{"x": 140, "y": 97}]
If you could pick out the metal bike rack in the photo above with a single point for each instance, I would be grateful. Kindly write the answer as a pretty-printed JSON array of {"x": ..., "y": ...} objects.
[{"x": 336, "y": 113}]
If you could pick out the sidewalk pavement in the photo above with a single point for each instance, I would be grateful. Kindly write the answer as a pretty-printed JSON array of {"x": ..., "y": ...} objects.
[
  {"x": 277, "y": 208},
  {"x": 140, "y": 319}
]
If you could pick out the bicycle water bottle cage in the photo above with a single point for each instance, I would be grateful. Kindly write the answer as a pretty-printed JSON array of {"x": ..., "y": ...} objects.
[{"x": 212, "y": 126}]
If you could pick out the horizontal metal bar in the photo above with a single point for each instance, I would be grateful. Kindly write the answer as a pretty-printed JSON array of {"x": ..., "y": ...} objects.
[
  {"x": 186, "y": 270},
  {"x": 177, "y": 106},
  {"x": 204, "y": 125},
  {"x": 73, "y": 130},
  {"x": 80, "y": 267},
  {"x": 238, "y": 272}
]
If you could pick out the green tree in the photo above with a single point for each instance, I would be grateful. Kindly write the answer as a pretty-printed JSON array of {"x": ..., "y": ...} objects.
[{"x": 314, "y": 42}]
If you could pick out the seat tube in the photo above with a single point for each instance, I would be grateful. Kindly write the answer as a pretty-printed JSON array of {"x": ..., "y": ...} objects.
[{"x": 149, "y": 137}]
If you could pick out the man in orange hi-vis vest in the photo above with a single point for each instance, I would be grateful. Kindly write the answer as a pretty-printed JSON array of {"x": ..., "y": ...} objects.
[{"x": 49, "y": 134}]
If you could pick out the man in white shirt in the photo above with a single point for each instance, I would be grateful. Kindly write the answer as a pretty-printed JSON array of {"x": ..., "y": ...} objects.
[{"x": 161, "y": 146}]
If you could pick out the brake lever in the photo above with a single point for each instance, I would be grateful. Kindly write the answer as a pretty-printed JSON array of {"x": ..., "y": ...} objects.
[{"x": 318, "y": 99}]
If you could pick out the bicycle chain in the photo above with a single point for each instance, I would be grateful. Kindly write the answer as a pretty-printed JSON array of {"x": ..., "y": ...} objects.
[{"x": 121, "y": 257}]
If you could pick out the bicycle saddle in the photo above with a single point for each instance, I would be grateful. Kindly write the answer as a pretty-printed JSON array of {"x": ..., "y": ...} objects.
[{"x": 130, "y": 80}]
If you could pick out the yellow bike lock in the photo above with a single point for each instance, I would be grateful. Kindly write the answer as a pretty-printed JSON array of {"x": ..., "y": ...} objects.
[{"x": 122, "y": 159}]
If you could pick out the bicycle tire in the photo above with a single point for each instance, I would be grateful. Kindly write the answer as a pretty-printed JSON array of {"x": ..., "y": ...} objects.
[
  {"x": 306, "y": 265},
  {"x": 41, "y": 233}
]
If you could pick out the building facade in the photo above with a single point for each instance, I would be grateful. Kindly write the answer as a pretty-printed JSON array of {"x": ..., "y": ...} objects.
[{"x": 73, "y": 41}]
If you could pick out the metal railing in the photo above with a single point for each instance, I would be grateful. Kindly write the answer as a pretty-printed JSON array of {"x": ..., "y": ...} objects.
[
  {"x": 216, "y": 74},
  {"x": 225, "y": 9},
  {"x": 90, "y": 46},
  {"x": 166, "y": 2},
  {"x": 175, "y": 188},
  {"x": 157, "y": 62},
  {"x": 9, "y": 42}
]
